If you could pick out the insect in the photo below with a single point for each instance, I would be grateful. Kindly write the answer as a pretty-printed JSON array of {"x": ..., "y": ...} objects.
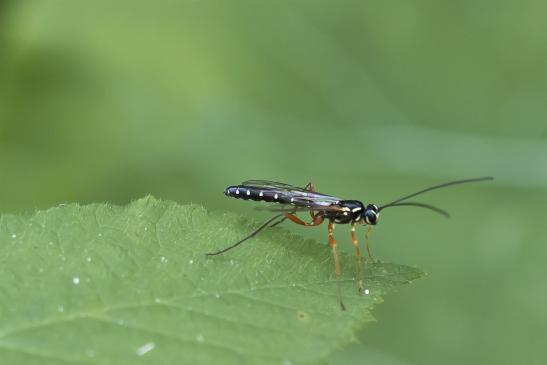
[{"x": 321, "y": 207}]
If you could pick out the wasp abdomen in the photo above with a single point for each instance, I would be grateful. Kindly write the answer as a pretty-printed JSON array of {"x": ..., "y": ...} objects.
[{"x": 248, "y": 193}]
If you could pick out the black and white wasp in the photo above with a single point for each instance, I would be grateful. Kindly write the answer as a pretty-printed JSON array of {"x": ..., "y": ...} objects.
[{"x": 322, "y": 207}]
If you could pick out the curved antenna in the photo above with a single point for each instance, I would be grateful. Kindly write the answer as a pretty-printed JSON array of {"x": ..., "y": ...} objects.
[
  {"x": 438, "y": 187},
  {"x": 442, "y": 212}
]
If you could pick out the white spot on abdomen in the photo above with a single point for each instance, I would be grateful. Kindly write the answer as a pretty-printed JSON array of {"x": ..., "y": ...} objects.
[{"x": 276, "y": 196}]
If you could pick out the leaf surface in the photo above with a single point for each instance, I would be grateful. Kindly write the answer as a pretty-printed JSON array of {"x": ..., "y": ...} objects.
[{"x": 102, "y": 284}]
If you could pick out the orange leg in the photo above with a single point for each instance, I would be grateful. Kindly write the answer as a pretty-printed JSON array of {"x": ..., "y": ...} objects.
[
  {"x": 317, "y": 219},
  {"x": 332, "y": 243},
  {"x": 337, "y": 271},
  {"x": 311, "y": 188},
  {"x": 366, "y": 240},
  {"x": 357, "y": 259}
]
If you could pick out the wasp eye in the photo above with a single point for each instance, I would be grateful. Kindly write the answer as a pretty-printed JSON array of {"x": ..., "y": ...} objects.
[
  {"x": 371, "y": 217},
  {"x": 372, "y": 207}
]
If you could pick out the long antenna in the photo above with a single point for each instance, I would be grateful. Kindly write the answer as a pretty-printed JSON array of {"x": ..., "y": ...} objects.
[
  {"x": 421, "y": 205},
  {"x": 438, "y": 187}
]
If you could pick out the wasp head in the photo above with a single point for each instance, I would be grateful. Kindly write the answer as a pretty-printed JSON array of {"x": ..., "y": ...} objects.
[{"x": 371, "y": 214}]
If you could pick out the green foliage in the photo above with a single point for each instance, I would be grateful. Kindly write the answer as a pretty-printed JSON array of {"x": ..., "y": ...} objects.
[{"x": 131, "y": 285}]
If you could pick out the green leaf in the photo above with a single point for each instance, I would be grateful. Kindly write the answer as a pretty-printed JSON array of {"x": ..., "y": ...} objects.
[{"x": 101, "y": 284}]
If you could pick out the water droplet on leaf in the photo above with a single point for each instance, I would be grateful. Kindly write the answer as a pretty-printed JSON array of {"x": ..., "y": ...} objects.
[{"x": 147, "y": 347}]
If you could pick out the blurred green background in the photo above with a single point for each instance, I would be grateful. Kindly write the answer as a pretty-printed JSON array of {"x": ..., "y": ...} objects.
[{"x": 113, "y": 100}]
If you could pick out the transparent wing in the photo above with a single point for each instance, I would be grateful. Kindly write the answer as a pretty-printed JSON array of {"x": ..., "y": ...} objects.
[
  {"x": 291, "y": 209},
  {"x": 271, "y": 185},
  {"x": 300, "y": 193},
  {"x": 311, "y": 200},
  {"x": 300, "y": 198}
]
